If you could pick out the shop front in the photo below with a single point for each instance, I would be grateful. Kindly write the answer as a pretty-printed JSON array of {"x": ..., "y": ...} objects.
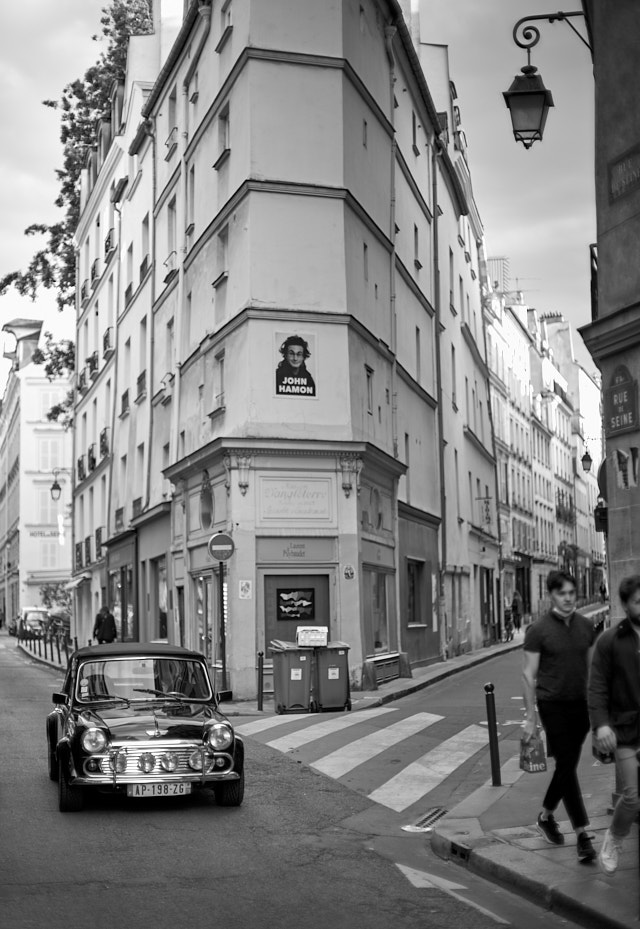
[{"x": 122, "y": 586}]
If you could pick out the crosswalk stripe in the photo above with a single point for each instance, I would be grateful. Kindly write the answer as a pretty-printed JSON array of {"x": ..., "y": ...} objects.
[
  {"x": 260, "y": 725},
  {"x": 344, "y": 759},
  {"x": 423, "y": 775},
  {"x": 318, "y": 731}
]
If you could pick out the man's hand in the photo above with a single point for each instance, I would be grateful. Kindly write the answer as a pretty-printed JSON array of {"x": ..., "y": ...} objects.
[
  {"x": 605, "y": 739},
  {"x": 529, "y": 729}
]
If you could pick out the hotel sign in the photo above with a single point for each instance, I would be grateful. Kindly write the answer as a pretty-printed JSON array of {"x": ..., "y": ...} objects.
[{"x": 621, "y": 404}]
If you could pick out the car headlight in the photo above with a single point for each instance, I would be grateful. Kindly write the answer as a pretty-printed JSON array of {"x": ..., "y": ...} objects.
[
  {"x": 219, "y": 737},
  {"x": 93, "y": 740}
]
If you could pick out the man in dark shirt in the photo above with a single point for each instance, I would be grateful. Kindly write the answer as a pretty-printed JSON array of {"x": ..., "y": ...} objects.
[{"x": 555, "y": 674}]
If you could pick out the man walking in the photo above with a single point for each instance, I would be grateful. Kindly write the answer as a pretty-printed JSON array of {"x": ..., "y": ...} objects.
[
  {"x": 614, "y": 708},
  {"x": 555, "y": 674}
]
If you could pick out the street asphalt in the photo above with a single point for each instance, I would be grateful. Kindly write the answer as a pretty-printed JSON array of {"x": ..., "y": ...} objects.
[{"x": 492, "y": 832}]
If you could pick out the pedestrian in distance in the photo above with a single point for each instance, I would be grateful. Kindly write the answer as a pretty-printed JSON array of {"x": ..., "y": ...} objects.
[
  {"x": 104, "y": 629},
  {"x": 516, "y": 612},
  {"x": 614, "y": 709},
  {"x": 557, "y": 649}
]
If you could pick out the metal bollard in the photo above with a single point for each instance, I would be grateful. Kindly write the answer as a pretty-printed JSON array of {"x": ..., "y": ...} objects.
[
  {"x": 260, "y": 679},
  {"x": 493, "y": 735},
  {"x": 58, "y": 648}
]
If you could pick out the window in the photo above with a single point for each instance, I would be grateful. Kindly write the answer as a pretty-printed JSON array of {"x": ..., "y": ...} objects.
[
  {"x": 454, "y": 388},
  {"x": 365, "y": 260},
  {"x": 169, "y": 346},
  {"x": 418, "y": 356},
  {"x": 47, "y": 508},
  {"x": 416, "y": 248},
  {"x": 171, "y": 142},
  {"x": 369, "y": 376},
  {"x": 451, "y": 273},
  {"x": 364, "y": 133},
  {"x": 461, "y": 288},
  {"x": 222, "y": 256},
  {"x": 48, "y": 553},
  {"x": 415, "y": 581},
  {"x": 191, "y": 200},
  {"x": 219, "y": 387},
  {"x": 48, "y": 454},
  {"x": 414, "y": 134},
  {"x": 224, "y": 136}
]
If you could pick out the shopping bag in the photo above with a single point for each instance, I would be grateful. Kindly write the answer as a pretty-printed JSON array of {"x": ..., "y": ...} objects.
[{"x": 533, "y": 757}]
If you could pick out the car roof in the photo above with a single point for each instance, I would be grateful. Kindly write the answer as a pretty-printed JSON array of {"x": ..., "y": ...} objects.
[{"x": 133, "y": 649}]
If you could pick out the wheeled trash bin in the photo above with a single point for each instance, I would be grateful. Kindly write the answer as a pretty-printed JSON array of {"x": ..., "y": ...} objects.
[
  {"x": 331, "y": 686},
  {"x": 292, "y": 677}
]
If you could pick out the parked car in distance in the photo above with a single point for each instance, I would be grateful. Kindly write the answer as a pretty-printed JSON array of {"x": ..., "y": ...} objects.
[
  {"x": 12, "y": 628},
  {"x": 141, "y": 720},
  {"x": 33, "y": 622}
]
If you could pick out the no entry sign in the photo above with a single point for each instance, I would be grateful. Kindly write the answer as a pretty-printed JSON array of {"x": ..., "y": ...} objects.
[{"x": 221, "y": 546}]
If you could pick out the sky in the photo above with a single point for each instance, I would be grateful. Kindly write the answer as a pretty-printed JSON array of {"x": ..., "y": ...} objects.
[{"x": 537, "y": 206}]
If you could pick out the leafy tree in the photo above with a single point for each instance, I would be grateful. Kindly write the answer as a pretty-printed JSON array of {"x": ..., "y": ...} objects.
[
  {"x": 83, "y": 101},
  {"x": 54, "y": 596}
]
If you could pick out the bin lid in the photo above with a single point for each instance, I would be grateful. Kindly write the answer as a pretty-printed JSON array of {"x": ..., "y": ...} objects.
[
  {"x": 279, "y": 645},
  {"x": 338, "y": 645}
]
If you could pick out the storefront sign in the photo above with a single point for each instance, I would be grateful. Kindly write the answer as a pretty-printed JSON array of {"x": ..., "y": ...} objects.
[
  {"x": 621, "y": 403},
  {"x": 299, "y": 500},
  {"x": 296, "y": 551},
  {"x": 624, "y": 174}
]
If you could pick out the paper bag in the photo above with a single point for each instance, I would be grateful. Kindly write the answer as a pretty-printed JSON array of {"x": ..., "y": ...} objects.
[{"x": 533, "y": 757}]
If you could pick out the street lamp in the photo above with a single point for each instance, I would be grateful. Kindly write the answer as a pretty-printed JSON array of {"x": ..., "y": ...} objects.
[
  {"x": 528, "y": 99},
  {"x": 56, "y": 490},
  {"x": 587, "y": 461}
]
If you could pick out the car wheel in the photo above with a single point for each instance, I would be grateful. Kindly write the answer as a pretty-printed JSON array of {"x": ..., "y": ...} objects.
[
  {"x": 51, "y": 755},
  {"x": 231, "y": 793},
  {"x": 70, "y": 799}
]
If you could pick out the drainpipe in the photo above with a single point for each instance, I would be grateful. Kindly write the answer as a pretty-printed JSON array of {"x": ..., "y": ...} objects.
[{"x": 442, "y": 601}]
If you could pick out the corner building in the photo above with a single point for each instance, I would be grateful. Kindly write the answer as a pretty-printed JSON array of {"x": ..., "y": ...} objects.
[{"x": 297, "y": 171}]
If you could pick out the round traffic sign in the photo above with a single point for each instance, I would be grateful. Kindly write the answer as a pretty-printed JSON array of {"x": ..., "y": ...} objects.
[{"x": 221, "y": 546}]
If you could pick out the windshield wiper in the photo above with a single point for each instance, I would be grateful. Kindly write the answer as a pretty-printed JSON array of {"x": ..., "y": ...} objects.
[
  {"x": 171, "y": 695},
  {"x": 101, "y": 698}
]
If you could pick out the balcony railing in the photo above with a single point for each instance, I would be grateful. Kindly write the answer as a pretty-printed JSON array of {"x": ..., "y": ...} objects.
[
  {"x": 84, "y": 293},
  {"x": 110, "y": 242},
  {"x": 92, "y": 365},
  {"x": 82, "y": 468},
  {"x": 119, "y": 523},
  {"x": 78, "y": 555},
  {"x": 91, "y": 457},
  {"x": 99, "y": 537},
  {"x": 107, "y": 343},
  {"x": 82, "y": 381},
  {"x": 95, "y": 272},
  {"x": 87, "y": 550},
  {"x": 104, "y": 442}
]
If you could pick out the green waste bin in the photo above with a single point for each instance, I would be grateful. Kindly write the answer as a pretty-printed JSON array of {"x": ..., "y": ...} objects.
[
  {"x": 292, "y": 676},
  {"x": 331, "y": 685}
]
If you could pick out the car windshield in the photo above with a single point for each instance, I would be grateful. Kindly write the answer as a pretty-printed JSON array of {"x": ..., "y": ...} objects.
[
  {"x": 35, "y": 619},
  {"x": 139, "y": 678}
]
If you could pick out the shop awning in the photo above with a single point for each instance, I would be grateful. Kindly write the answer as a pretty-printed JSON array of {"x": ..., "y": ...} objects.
[{"x": 76, "y": 581}]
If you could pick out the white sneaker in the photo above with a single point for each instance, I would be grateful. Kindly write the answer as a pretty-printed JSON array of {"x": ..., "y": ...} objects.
[{"x": 610, "y": 852}]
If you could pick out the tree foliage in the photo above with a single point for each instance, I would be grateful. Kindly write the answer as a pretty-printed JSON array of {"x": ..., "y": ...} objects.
[
  {"x": 54, "y": 596},
  {"x": 83, "y": 101}
]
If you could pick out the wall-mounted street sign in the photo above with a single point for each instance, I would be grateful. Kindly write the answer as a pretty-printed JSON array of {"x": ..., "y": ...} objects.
[
  {"x": 621, "y": 403},
  {"x": 221, "y": 546}
]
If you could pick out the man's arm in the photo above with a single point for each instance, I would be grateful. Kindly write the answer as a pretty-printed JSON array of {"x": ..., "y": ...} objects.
[{"x": 529, "y": 674}]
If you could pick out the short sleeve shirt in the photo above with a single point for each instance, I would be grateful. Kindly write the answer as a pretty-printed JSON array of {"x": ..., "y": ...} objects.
[{"x": 563, "y": 671}]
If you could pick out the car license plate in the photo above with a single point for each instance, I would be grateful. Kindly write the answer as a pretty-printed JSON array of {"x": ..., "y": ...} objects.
[{"x": 157, "y": 790}]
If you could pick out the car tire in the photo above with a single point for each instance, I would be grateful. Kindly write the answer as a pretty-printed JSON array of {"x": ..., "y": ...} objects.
[
  {"x": 70, "y": 799},
  {"x": 51, "y": 755},
  {"x": 231, "y": 793}
]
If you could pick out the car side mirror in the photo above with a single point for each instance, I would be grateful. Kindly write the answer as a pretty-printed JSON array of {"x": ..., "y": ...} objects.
[{"x": 60, "y": 699}]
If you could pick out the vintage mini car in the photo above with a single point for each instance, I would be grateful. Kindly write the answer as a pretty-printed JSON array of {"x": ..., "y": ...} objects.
[{"x": 141, "y": 720}]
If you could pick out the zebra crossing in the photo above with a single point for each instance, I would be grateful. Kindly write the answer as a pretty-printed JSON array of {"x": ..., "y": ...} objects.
[{"x": 364, "y": 737}]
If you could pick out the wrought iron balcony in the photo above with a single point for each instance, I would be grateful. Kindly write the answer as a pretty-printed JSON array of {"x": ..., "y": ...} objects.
[
  {"x": 108, "y": 346},
  {"x": 104, "y": 442},
  {"x": 87, "y": 550},
  {"x": 91, "y": 457},
  {"x": 78, "y": 555},
  {"x": 82, "y": 468},
  {"x": 92, "y": 365}
]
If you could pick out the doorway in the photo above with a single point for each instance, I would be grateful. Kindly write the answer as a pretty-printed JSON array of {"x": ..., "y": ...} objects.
[{"x": 292, "y": 600}]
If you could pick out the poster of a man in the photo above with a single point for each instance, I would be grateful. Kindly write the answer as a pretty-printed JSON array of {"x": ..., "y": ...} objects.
[{"x": 292, "y": 376}]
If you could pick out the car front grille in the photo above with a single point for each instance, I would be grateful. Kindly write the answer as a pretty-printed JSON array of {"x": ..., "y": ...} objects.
[{"x": 127, "y": 759}]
